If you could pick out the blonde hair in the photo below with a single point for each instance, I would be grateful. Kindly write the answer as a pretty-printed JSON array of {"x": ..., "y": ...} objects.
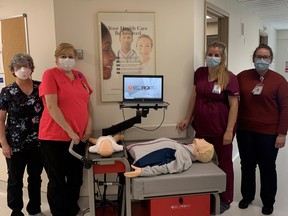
[
  {"x": 61, "y": 48},
  {"x": 222, "y": 70}
]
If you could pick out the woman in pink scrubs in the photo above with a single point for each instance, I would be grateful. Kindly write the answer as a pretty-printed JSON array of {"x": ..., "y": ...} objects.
[{"x": 67, "y": 116}]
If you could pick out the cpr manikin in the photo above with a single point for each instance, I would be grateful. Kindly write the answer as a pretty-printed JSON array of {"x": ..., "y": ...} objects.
[
  {"x": 156, "y": 157},
  {"x": 106, "y": 145},
  {"x": 163, "y": 156}
]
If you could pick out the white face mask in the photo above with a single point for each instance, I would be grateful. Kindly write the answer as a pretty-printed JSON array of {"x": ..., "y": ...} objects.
[
  {"x": 23, "y": 73},
  {"x": 66, "y": 64}
]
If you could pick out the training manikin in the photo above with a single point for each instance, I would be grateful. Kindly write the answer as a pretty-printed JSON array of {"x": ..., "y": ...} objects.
[{"x": 155, "y": 157}]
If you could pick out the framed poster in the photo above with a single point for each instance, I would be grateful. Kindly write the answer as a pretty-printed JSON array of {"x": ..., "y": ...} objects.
[{"x": 126, "y": 46}]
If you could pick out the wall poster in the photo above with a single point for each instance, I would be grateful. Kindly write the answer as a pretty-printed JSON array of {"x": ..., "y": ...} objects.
[{"x": 126, "y": 46}]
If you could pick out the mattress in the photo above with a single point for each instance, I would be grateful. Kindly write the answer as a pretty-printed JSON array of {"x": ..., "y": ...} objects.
[{"x": 199, "y": 178}]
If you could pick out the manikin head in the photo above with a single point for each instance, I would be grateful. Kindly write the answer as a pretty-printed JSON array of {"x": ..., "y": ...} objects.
[
  {"x": 203, "y": 151},
  {"x": 106, "y": 149}
]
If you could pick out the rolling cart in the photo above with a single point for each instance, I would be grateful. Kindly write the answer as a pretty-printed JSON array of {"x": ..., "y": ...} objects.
[
  {"x": 116, "y": 163},
  {"x": 96, "y": 165}
]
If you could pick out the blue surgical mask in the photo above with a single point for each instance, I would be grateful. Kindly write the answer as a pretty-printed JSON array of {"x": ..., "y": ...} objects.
[
  {"x": 261, "y": 65},
  {"x": 212, "y": 61}
]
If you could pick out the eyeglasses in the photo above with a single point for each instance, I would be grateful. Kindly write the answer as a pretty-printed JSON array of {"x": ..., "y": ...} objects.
[{"x": 265, "y": 57}]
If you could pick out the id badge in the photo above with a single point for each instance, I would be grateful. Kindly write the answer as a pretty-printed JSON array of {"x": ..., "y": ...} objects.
[
  {"x": 257, "y": 89},
  {"x": 216, "y": 88}
]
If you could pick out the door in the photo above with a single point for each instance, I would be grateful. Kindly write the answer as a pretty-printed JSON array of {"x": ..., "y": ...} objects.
[
  {"x": 14, "y": 40},
  {"x": 217, "y": 24}
]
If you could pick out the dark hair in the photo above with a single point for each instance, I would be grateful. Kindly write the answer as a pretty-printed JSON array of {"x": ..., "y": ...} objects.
[
  {"x": 263, "y": 46},
  {"x": 104, "y": 30},
  {"x": 126, "y": 29},
  {"x": 21, "y": 58}
]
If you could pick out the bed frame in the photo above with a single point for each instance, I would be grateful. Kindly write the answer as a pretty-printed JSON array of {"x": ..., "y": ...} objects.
[{"x": 200, "y": 178}]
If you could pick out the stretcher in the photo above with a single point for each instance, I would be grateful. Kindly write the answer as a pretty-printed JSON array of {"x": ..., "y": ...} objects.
[{"x": 200, "y": 178}]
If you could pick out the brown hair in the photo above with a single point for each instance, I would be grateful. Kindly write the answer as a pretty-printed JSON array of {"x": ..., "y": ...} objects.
[
  {"x": 263, "y": 46},
  {"x": 21, "y": 58},
  {"x": 63, "y": 47}
]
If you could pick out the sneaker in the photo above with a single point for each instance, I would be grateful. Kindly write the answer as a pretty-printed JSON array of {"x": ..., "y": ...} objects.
[
  {"x": 38, "y": 214},
  {"x": 267, "y": 210},
  {"x": 224, "y": 207},
  {"x": 243, "y": 204}
]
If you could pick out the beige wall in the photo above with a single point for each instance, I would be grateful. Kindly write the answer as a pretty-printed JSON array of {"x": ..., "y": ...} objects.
[
  {"x": 179, "y": 47},
  {"x": 41, "y": 35},
  {"x": 281, "y": 56},
  {"x": 174, "y": 54}
]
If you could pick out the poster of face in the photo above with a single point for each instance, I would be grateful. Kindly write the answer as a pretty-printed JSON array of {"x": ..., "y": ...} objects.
[{"x": 126, "y": 43}]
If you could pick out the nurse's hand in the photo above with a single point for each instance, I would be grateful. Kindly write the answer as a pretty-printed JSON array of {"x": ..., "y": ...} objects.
[
  {"x": 182, "y": 125},
  {"x": 280, "y": 141},
  {"x": 7, "y": 151},
  {"x": 227, "y": 138},
  {"x": 74, "y": 137}
]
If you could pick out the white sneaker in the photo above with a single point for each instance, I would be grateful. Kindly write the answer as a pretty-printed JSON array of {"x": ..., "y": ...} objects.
[{"x": 38, "y": 214}]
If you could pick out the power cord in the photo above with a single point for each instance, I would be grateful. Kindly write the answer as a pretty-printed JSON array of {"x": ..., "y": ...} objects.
[{"x": 144, "y": 129}]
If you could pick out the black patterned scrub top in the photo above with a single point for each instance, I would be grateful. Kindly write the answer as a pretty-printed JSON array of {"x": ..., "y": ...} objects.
[{"x": 24, "y": 114}]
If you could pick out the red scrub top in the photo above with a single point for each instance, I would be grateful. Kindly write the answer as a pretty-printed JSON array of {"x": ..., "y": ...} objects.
[{"x": 211, "y": 107}]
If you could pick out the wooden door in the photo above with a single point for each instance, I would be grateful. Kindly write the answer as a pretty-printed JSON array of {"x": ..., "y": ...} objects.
[{"x": 13, "y": 32}]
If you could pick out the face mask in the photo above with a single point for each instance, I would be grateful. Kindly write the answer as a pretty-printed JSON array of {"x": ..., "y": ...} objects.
[
  {"x": 66, "y": 64},
  {"x": 261, "y": 65},
  {"x": 212, "y": 61},
  {"x": 23, "y": 73}
]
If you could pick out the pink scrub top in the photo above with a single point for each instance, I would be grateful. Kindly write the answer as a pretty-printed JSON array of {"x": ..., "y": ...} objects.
[{"x": 73, "y": 99}]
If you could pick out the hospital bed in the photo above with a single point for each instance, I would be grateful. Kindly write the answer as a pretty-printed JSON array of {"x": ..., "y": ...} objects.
[{"x": 199, "y": 182}]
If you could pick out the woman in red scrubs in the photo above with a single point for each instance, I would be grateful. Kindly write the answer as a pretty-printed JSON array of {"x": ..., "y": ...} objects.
[{"x": 213, "y": 111}]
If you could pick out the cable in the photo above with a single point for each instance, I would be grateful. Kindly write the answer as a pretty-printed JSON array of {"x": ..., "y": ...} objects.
[
  {"x": 144, "y": 129},
  {"x": 156, "y": 128}
]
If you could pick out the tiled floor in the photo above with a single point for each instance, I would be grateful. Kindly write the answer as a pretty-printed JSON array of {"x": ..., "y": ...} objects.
[{"x": 281, "y": 205}]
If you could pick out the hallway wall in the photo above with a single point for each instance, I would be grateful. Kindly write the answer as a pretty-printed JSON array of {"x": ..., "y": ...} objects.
[{"x": 179, "y": 48}]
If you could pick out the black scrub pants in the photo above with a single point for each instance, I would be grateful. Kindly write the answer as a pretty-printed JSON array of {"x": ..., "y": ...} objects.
[
  {"x": 65, "y": 173},
  {"x": 256, "y": 148},
  {"x": 30, "y": 159}
]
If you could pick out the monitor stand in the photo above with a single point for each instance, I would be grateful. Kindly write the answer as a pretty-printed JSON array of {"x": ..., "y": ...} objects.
[{"x": 140, "y": 112}]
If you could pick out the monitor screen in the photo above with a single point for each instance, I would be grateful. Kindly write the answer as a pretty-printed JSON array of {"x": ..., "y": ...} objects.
[{"x": 142, "y": 88}]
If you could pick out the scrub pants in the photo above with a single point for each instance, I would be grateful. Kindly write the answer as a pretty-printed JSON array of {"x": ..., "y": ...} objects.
[
  {"x": 225, "y": 163},
  {"x": 65, "y": 173},
  {"x": 256, "y": 148},
  {"x": 30, "y": 158}
]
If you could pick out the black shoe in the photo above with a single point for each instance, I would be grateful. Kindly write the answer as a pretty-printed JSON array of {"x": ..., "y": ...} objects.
[
  {"x": 243, "y": 204},
  {"x": 224, "y": 207},
  {"x": 267, "y": 210}
]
